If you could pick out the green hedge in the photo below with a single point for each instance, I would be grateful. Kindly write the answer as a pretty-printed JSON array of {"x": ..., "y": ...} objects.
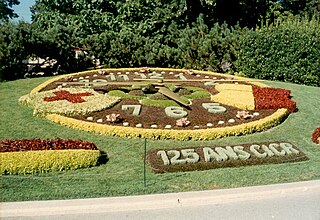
[
  {"x": 27, "y": 162},
  {"x": 287, "y": 51}
]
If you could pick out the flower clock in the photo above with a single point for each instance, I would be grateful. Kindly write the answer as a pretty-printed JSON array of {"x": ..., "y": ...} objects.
[{"x": 160, "y": 103}]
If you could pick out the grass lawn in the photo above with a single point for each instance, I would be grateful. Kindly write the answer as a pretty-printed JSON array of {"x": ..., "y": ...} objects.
[{"x": 123, "y": 174}]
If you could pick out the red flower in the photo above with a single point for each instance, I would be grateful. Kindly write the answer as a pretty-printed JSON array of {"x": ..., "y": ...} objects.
[
  {"x": 9, "y": 145},
  {"x": 273, "y": 98},
  {"x": 316, "y": 136},
  {"x": 66, "y": 95}
]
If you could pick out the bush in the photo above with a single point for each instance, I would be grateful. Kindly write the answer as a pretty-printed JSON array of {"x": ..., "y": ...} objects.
[
  {"x": 207, "y": 49},
  {"x": 287, "y": 51},
  {"x": 13, "y": 38},
  {"x": 27, "y": 162}
]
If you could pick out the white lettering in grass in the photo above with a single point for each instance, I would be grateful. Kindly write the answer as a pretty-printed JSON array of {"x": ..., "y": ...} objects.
[{"x": 221, "y": 154}]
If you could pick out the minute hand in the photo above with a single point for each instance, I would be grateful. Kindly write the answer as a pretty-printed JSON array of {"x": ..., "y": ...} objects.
[
  {"x": 197, "y": 80},
  {"x": 167, "y": 92}
]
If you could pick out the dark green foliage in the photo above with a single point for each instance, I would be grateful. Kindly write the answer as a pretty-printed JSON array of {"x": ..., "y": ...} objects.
[
  {"x": 166, "y": 33},
  {"x": 6, "y": 10},
  {"x": 204, "y": 48},
  {"x": 310, "y": 7},
  {"x": 12, "y": 54},
  {"x": 288, "y": 51},
  {"x": 243, "y": 12}
]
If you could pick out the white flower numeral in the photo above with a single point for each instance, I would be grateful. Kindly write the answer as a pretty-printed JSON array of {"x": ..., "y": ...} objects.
[
  {"x": 155, "y": 75},
  {"x": 136, "y": 109},
  {"x": 181, "y": 76},
  {"x": 143, "y": 76},
  {"x": 124, "y": 77},
  {"x": 214, "y": 107},
  {"x": 189, "y": 156},
  {"x": 175, "y": 112}
]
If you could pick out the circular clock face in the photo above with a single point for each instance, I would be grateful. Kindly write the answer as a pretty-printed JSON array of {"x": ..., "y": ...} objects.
[{"x": 154, "y": 99}]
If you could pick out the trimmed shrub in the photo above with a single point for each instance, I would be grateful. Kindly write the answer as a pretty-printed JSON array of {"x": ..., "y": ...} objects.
[
  {"x": 42, "y": 156},
  {"x": 288, "y": 51},
  {"x": 27, "y": 162}
]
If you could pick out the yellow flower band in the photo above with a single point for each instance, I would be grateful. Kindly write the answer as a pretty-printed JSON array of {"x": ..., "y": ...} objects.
[{"x": 201, "y": 134}]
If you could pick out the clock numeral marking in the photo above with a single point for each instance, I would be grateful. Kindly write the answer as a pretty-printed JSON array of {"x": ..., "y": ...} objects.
[
  {"x": 136, "y": 109},
  {"x": 142, "y": 75},
  {"x": 112, "y": 77},
  {"x": 181, "y": 76},
  {"x": 175, "y": 112},
  {"x": 214, "y": 107},
  {"x": 124, "y": 77},
  {"x": 84, "y": 80},
  {"x": 211, "y": 83},
  {"x": 99, "y": 80},
  {"x": 155, "y": 75}
]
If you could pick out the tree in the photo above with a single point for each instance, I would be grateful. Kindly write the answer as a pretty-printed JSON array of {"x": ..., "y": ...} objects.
[
  {"x": 13, "y": 38},
  {"x": 244, "y": 12},
  {"x": 6, "y": 10},
  {"x": 302, "y": 6}
]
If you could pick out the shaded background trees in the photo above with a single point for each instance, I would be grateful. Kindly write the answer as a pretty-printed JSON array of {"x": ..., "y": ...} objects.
[
  {"x": 199, "y": 34},
  {"x": 6, "y": 10}
]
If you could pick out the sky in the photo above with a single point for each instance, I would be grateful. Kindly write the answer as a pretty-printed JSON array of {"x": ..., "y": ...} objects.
[{"x": 23, "y": 10}]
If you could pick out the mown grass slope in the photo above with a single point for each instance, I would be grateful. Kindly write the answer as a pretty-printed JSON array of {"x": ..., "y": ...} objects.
[{"x": 123, "y": 174}]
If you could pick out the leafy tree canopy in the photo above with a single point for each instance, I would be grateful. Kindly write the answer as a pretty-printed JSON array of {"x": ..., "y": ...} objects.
[{"x": 6, "y": 10}]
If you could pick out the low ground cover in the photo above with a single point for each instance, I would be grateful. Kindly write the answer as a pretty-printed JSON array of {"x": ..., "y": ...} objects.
[{"x": 123, "y": 173}]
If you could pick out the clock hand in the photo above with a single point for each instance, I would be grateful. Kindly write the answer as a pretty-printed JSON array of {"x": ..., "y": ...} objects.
[
  {"x": 167, "y": 92},
  {"x": 95, "y": 84},
  {"x": 197, "y": 80}
]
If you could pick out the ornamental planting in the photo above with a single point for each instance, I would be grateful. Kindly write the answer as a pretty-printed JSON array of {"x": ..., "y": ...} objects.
[{"x": 160, "y": 103}]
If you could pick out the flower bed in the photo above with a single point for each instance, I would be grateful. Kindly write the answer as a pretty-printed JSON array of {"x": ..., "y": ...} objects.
[
  {"x": 77, "y": 108},
  {"x": 273, "y": 98},
  {"x": 199, "y": 134},
  {"x": 235, "y": 95},
  {"x": 316, "y": 136},
  {"x": 69, "y": 101},
  {"x": 42, "y": 156}
]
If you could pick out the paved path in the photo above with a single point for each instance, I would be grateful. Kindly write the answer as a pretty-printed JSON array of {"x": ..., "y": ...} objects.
[{"x": 282, "y": 201}]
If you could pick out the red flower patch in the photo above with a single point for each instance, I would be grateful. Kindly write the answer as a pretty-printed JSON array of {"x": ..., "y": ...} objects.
[
  {"x": 316, "y": 136},
  {"x": 273, "y": 98},
  {"x": 65, "y": 95},
  {"x": 9, "y": 145}
]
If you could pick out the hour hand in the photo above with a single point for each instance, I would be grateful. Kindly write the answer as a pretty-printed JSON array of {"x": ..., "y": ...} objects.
[{"x": 167, "y": 92}]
